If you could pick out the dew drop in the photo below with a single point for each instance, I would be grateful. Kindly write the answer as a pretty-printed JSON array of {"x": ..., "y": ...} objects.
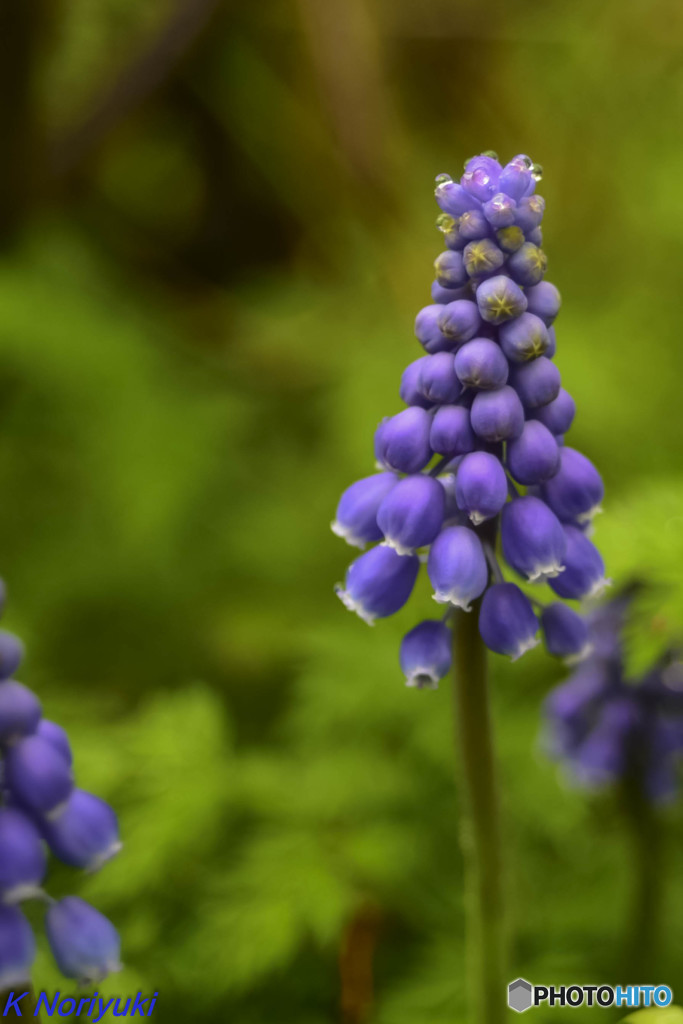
[
  {"x": 527, "y": 160},
  {"x": 536, "y": 172},
  {"x": 442, "y": 179},
  {"x": 490, "y": 153}
]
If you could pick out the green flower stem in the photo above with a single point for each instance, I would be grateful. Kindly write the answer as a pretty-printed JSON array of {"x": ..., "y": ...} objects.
[
  {"x": 480, "y": 831},
  {"x": 647, "y": 854}
]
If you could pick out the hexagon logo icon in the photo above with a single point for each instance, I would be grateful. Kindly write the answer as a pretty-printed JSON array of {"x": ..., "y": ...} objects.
[{"x": 520, "y": 995}]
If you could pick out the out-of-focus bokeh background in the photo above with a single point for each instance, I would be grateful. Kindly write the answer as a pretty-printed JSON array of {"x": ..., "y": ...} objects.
[{"x": 217, "y": 225}]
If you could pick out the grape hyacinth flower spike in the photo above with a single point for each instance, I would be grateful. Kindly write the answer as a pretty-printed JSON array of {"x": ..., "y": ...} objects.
[
  {"x": 485, "y": 419},
  {"x": 41, "y": 811}
]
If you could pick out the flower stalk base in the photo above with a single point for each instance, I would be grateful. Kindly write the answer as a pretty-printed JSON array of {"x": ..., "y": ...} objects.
[{"x": 480, "y": 829}]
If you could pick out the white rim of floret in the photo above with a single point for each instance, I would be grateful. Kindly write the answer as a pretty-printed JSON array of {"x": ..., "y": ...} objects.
[
  {"x": 589, "y": 516},
  {"x": 454, "y": 599},
  {"x": 57, "y": 811},
  {"x": 97, "y": 972},
  {"x": 423, "y": 679},
  {"x": 477, "y": 518},
  {"x": 396, "y": 545},
  {"x": 13, "y": 977},
  {"x": 354, "y": 606},
  {"x": 24, "y": 891},
  {"x": 578, "y": 656},
  {"x": 598, "y": 588},
  {"x": 106, "y": 855},
  {"x": 524, "y": 646},
  {"x": 347, "y": 534},
  {"x": 546, "y": 572}
]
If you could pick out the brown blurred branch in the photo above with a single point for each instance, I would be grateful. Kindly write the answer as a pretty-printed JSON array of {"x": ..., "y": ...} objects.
[
  {"x": 21, "y": 32},
  {"x": 136, "y": 83},
  {"x": 347, "y": 54},
  {"x": 356, "y": 958}
]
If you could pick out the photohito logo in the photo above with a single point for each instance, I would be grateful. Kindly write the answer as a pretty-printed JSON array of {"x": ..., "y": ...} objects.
[{"x": 522, "y": 995}]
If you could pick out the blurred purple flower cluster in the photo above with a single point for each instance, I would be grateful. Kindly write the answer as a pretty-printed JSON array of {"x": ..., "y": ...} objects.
[
  {"x": 604, "y": 726},
  {"x": 41, "y": 810},
  {"x": 478, "y": 456}
]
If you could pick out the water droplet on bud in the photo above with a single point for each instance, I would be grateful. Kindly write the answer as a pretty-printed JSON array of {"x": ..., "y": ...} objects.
[
  {"x": 490, "y": 153},
  {"x": 527, "y": 160},
  {"x": 442, "y": 179},
  {"x": 536, "y": 172}
]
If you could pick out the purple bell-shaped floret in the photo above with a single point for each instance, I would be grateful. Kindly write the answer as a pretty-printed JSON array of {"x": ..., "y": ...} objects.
[{"x": 84, "y": 943}]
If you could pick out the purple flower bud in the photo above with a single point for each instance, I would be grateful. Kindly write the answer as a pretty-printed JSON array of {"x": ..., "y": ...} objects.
[
  {"x": 481, "y": 364},
  {"x": 488, "y": 161},
  {"x": 481, "y": 486},
  {"x": 412, "y": 513},
  {"x": 565, "y": 632},
  {"x": 524, "y": 338},
  {"x": 55, "y": 735},
  {"x": 557, "y": 415},
  {"x": 459, "y": 321},
  {"x": 482, "y": 258},
  {"x": 451, "y": 432},
  {"x": 497, "y": 415},
  {"x": 576, "y": 490},
  {"x": 473, "y": 225},
  {"x": 450, "y": 270},
  {"x": 529, "y": 213},
  {"x": 37, "y": 775},
  {"x": 500, "y": 299},
  {"x": 457, "y": 567},
  {"x": 500, "y": 211},
  {"x": 528, "y": 265},
  {"x": 533, "y": 539},
  {"x": 450, "y": 228},
  {"x": 402, "y": 442},
  {"x": 454, "y": 199},
  {"x": 356, "y": 519},
  {"x": 535, "y": 236},
  {"x": 515, "y": 178},
  {"x": 534, "y": 456},
  {"x": 11, "y": 654},
  {"x": 410, "y": 384},
  {"x": 425, "y": 654},
  {"x": 22, "y": 858},
  {"x": 438, "y": 380},
  {"x": 17, "y": 948},
  {"x": 19, "y": 711},
  {"x": 584, "y": 573},
  {"x": 510, "y": 239},
  {"x": 427, "y": 329},
  {"x": 544, "y": 300},
  {"x": 85, "y": 834},
  {"x": 552, "y": 343},
  {"x": 507, "y": 623},
  {"x": 537, "y": 382},
  {"x": 378, "y": 583},
  {"x": 84, "y": 943},
  {"x": 481, "y": 180},
  {"x": 443, "y": 296}
]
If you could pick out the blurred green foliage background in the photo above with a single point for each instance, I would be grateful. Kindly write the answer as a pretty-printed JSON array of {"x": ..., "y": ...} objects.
[{"x": 217, "y": 226}]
